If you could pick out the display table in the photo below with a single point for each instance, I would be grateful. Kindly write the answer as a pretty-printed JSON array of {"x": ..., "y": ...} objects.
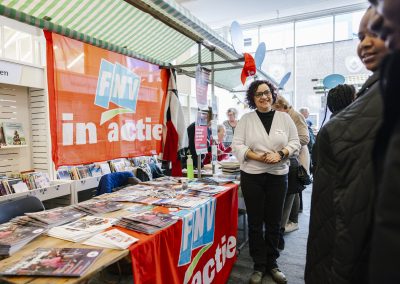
[{"x": 203, "y": 242}]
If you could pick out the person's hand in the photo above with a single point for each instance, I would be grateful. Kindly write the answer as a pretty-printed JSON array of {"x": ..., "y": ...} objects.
[{"x": 272, "y": 158}]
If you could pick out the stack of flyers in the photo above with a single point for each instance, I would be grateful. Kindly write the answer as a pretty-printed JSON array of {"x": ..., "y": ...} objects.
[
  {"x": 97, "y": 206},
  {"x": 13, "y": 237},
  {"x": 147, "y": 222},
  {"x": 114, "y": 239},
  {"x": 54, "y": 262},
  {"x": 139, "y": 208},
  {"x": 152, "y": 218},
  {"x": 57, "y": 216},
  {"x": 82, "y": 228},
  {"x": 209, "y": 189},
  {"x": 188, "y": 201}
]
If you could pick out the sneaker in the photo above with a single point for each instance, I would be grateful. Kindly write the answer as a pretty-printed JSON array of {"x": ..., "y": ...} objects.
[
  {"x": 256, "y": 277},
  {"x": 278, "y": 276},
  {"x": 290, "y": 227}
]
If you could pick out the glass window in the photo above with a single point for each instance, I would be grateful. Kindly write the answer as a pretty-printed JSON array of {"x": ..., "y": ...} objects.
[
  {"x": 347, "y": 61},
  {"x": 250, "y": 38},
  {"x": 314, "y": 31},
  {"x": 17, "y": 45},
  {"x": 277, "y": 36},
  {"x": 10, "y": 43},
  {"x": 25, "y": 48}
]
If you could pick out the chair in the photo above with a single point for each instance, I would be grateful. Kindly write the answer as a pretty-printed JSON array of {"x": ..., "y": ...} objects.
[
  {"x": 19, "y": 206},
  {"x": 108, "y": 182}
]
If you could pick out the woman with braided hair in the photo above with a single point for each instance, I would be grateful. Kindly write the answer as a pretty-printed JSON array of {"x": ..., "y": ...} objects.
[{"x": 340, "y": 97}]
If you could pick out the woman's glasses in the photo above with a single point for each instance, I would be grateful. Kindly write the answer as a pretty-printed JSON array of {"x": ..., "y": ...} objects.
[{"x": 260, "y": 94}]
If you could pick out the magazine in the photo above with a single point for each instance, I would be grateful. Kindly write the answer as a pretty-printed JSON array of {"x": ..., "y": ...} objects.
[
  {"x": 64, "y": 173},
  {"x": 54, "y": 262},
  {"x": 114, "y": 239},
  {"x": 13, "y": 236},
  {"x": 14, "y": 133},
  {"x": 152, "y": 218},
  {"x": 57, "y": 216},
  {"x": 99, "y": 206}
]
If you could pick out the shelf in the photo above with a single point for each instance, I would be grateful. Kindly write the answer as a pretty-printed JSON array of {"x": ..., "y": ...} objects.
[
  {"x": 56, "y": 189},
  {"x": 83, "y": 184},
  {"x": 13, "y": 147}
]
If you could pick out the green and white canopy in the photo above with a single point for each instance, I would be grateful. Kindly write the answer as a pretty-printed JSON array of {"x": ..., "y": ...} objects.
[{"x": 156, "y": 31}]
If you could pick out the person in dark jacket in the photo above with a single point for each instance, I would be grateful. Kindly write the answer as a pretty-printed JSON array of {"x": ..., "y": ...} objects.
[
  {"x": 385, "y": 245},
  {"x": 343, "y": 189},
  {"x": 191, "y": 136}
]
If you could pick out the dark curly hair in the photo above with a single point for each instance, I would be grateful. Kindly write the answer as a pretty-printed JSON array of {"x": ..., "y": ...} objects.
[{"x": 253, "y": 88}]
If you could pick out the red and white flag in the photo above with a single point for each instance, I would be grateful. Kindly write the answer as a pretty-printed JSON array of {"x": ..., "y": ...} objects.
[{"x": 174, "y": 129}]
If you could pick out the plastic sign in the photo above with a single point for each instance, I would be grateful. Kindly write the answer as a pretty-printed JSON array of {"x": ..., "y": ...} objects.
[
  {"x": 331, "y": 81},
  {"x": 260, "y": 55},
  {"x": 284, "y": 80},
  {"x": 237, "y": 37}
]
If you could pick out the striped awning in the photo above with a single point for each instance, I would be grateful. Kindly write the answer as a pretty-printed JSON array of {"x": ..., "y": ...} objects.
[{"x": 156, "y": 31}]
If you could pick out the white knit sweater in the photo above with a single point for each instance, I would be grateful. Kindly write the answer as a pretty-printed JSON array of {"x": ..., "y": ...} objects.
[{"x": 250, "y": 134}]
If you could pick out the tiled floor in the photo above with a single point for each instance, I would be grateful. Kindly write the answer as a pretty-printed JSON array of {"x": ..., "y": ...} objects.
[{"x": 291, "y": 261}]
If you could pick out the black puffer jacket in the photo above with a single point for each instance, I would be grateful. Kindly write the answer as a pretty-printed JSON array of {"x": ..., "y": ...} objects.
[
  {"x": 343, "y": 192},
  {"x": 385, "y": 248}
]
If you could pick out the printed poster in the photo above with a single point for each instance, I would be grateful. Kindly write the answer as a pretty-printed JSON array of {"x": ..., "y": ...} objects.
[{"x": 103, "y": 105}]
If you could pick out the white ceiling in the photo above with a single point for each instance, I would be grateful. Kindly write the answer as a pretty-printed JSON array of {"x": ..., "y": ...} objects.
[{"x": 219, "y": 13}]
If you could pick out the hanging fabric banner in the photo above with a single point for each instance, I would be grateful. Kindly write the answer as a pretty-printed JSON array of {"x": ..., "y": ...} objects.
[{"x": 103, "y": 105}]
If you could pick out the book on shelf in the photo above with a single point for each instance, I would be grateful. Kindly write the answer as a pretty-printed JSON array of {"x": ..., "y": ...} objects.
[
  {"x": 83, "y": 171},
  {"x": 95, "y": 170},
  {"x": 2, "y": 137},
  {"x": 114, "y": 239},
  {"x": 20, "y": 187},
  {"x": 54, "y": 262},
  {"x": 64, "y": 173},
  {"x": 13, "y": 133},
  {"x": 105, "y": 167}
]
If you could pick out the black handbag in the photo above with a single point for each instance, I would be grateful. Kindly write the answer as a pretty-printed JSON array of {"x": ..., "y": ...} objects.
[{"x": 302, "y": 175}]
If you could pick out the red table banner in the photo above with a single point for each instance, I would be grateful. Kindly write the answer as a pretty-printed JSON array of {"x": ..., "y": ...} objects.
[
  {"x": 103, "y": 105},
  {"x": 158, "y": 258}
]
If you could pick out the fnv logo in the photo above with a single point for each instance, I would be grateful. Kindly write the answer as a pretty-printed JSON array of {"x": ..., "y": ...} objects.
[{"x": 119, "y": 85}]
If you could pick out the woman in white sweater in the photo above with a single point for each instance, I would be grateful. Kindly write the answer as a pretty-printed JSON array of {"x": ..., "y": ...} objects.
[{"x": 263, "y": 141}]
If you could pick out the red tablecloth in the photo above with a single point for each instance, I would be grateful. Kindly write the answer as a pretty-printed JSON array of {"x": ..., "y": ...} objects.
[{"x": 155, "y": 258}]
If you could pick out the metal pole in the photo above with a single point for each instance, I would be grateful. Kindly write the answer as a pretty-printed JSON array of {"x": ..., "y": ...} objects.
[
  {"x": 212, "y": 103},
  {"x": 199, "y": 156}
]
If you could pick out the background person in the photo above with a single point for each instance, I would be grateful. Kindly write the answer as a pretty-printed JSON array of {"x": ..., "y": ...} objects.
[
  {"x": 230, "y": 125},
  {"x": 263, "y": 141},
  {"x": 305, "y": 111},
  {"x": 191, "y": 135},
  {"x": 292, "y": 200},
  {"x": 343, "y": 196},
  {"x": 340, "y": 97},
  {"x": 222, "y": 152},
  {"x": 385, "y": 246}
]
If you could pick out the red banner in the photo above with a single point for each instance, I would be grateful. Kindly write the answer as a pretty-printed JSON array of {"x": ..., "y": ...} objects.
[
  {"x": 103, "y": 105},
  {"x": 155, "y": 258}
]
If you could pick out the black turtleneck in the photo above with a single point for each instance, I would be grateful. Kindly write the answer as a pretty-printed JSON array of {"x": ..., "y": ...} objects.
[{"x": 266, "y": 119}]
